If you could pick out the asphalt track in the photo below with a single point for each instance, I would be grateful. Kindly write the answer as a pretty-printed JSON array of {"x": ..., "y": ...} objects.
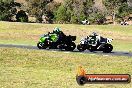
[{"x": 114, "y": 53}]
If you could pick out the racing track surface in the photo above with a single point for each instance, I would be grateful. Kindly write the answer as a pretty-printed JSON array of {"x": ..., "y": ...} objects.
[{"x": 117, "y": 53}]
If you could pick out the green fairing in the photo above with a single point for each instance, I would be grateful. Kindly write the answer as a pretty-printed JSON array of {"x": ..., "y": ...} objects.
[
  {"x": 42, "y": 39},
  {"x": 54, "y": 37}
]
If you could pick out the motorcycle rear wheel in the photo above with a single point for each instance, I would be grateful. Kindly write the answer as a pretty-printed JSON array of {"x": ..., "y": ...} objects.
[
  {"x": 107, "y": 48},
  {"x": 70, "y": 47}
]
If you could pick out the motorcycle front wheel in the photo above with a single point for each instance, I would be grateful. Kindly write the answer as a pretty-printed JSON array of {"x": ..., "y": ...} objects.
[
  {"x": 41, "y": 46},
  {"x": 81, "y": 47}
]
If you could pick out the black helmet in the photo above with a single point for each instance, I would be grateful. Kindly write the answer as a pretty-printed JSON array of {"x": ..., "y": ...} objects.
[{"x": 94, "y": 34}]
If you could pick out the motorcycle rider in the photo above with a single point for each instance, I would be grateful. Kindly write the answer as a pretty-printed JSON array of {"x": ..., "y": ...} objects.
[
  {"x": 94, "y": 38},
  {"x": 60, "y": 34}
]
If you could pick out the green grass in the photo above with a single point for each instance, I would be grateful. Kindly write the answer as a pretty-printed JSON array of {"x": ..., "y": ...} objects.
[
  {"x": 122, "y": 45},
  {"x": 27, "y": 42},
  {"x": 23, "y": 68},
  {"x": 29, "y": 33}
]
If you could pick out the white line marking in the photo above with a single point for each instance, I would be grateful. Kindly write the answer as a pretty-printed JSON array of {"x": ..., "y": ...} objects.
[
  {"x": 92, "y": 54},
  {"x": 54, "y": 51},
  {"x": 81, "y": 53},
  {"x": 105, "y": 55},
  {"x": 66, "y": 52}
]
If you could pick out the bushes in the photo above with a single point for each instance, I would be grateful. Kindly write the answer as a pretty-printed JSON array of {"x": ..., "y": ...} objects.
[
  {"x": 4, "y": 10},
  {"x": 61, "y": 14},
  {"x": 73, "y": 11},
  {"x": 117, "y": 8},
  {"x": 124, "y": 10},
  {"x": 37, "y": 8},
  {"x": 7, "y": 9},
  {"x": 70, "y": 11},
  {"x": 21, "y": 16}
]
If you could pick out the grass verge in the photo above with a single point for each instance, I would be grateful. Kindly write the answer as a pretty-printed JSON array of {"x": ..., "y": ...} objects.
[{"x": 21, "y": 68}]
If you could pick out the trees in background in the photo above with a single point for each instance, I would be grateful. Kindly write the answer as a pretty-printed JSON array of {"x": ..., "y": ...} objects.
[
  {"x": 124, "y": 10},
  {"x": 61, "y": 14},
  {"x": 37, "y": 8},
  {"x": 70, "y": 11},
  {"x": 117, "y": 8},
  {"x": 21, "y": 16},
  {"x": 7, "y": 9},
  {"x": 74, "y": 11}
]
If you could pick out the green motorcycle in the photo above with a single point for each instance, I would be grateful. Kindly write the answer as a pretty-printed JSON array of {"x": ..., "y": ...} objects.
[
  {"x": 47, "y": 40},
  {"x": 53, "y": 41}
]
